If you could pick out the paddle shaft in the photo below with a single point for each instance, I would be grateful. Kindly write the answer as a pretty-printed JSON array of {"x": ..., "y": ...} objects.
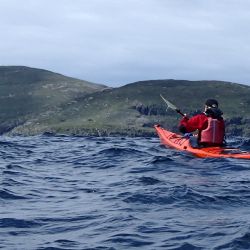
[{"x": 179, "y": 112}]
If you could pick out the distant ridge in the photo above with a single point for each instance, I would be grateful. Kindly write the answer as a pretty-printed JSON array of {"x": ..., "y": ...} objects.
[
  {"x": 28, "y": 93},
  {"x": 31, "y": 75},
  {"x": 35, "y": 101}
]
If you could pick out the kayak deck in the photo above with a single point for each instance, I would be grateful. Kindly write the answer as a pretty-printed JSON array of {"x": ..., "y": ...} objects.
[{"x": 182, "y": 143}]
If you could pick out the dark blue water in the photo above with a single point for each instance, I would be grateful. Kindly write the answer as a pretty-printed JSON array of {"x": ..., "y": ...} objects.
[{"x": 120, "y": 193}]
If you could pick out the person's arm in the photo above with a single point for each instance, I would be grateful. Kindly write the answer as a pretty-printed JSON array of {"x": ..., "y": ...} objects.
[
  {"x": 189, "y": 125},
  {"x": 183, "y": 125}
]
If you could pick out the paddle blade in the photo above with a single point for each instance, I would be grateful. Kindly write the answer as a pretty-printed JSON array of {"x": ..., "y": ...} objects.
[
  {"x": 169, "y": 104},
  {"x": 172, "y": 106}
]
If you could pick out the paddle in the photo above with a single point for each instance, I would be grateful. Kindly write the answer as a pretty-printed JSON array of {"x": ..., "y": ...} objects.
[{"x": 172, "y": 106}]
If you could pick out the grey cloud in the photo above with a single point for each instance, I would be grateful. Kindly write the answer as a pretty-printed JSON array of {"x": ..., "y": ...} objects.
[{"x": 116, "y": 42}]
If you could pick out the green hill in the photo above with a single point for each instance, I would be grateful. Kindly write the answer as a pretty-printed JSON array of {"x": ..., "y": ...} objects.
[
  {"x": 27, "y": 94},
  {"x": 134, "y": 108}
]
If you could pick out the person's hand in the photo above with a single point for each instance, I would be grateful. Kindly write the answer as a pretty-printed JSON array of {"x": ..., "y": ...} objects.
[
  {"x": 185, "y": 118},
  {"x": 188, "y": 135}
]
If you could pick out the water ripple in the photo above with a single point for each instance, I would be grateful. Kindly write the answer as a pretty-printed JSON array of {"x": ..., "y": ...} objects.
[{"x": 61, "y": 192}]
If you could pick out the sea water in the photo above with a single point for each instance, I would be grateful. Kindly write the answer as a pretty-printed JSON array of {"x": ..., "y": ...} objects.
[{"x": 120, "y": 193}]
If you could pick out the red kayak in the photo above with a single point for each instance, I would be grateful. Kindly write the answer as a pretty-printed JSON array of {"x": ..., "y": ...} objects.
[{"x": 179, "y": 142}]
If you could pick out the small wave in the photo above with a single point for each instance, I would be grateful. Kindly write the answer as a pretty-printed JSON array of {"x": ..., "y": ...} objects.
[
  {"x": 233, "y": 165},
  {"x": 14, "y": 167},
  {"x": 15, "y": 145},
  {"x": 53, "y": 248},
  {"x": 161, "y": 159},
  {"x": 89, "y": 190},
  {"x": 11, "y": 172},
  {"x": 178, "y": 195},
  {"x": 74, "y": 245},
  {"x": 8, "y": 144},
  {"x": 233, "y": 197},
  {"x": 71, "y": 219},
  {"x": 18, "y": 223},
  {"x": 140, "y": 198},
  {"x": 11, "y": 182},
  {"x": 8, "y": 195},
  {"x": 241, "y": 242},
  {"x": 67, "y": 242},
  {"x": 129, "y": 240},
  {"x": 115, "y": 151},
  {"x": 184, "y": 246},
  {"x": 15, "y": 170},
  {"x": 149, "y": 180},
  {"x": 97, "y": 163},
  {"x": 100, "y": 248}
]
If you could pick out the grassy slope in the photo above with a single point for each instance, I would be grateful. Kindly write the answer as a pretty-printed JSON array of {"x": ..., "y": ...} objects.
[
  {"x": 28, "y": 93},
  {"x": 111, "y": 111}
]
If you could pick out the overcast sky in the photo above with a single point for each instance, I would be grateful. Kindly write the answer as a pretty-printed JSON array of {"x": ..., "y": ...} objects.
[{"x": 115, "y": 42}]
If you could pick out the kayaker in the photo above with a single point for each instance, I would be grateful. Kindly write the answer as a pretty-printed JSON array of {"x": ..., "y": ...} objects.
[{"x": 210, "y": 125}]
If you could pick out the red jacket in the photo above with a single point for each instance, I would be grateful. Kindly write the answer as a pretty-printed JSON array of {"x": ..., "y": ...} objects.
[
  {"x": 200, "y": 123},
  {"x": 196, "y": 122}
]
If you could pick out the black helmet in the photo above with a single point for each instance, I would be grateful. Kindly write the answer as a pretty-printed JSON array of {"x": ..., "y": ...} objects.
[
  {"x": 213, "y": 109},
  {"x": 212, "y": 103}
]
